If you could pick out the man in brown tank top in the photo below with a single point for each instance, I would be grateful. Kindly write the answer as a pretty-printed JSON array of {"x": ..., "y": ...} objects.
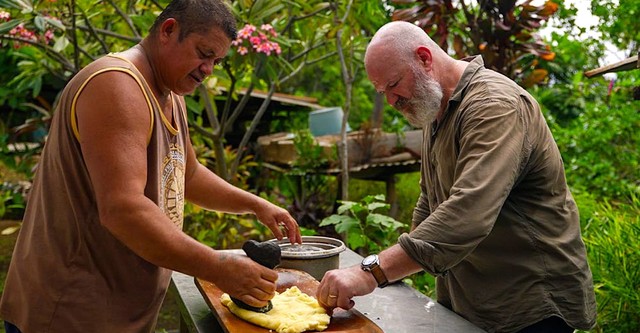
[{"x": 102, "y": 229}]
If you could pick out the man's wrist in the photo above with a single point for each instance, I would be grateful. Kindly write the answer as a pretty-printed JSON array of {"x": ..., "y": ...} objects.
[{"x": 371, "y": 264}]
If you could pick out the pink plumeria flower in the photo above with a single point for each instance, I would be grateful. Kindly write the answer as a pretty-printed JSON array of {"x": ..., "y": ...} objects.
[
  {"x": 4, "y": 16},
  {"x": 246, "y": 31},
  {"x": 258, "y": 40},
  {"x": 276, "y": 47},
  {"x": 255, "y": 41},
  {"x": 17, "y": 29},
  {"x": 27, "y": 34},
  {"x": 268, "y": 28},
  {"x": 265, "y": 48}
]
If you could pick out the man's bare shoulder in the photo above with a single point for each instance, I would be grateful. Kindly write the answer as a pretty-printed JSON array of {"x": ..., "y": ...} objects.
[{"x": 115, "y": 96}]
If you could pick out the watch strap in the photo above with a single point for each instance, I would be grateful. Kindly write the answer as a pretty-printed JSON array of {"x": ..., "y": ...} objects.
[
  {"x": 378, "y": 274},
  {"x": 372, "y": 264}
]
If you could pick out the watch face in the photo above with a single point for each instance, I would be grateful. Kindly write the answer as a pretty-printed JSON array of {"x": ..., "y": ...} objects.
[{"x": 370, "y": 260}]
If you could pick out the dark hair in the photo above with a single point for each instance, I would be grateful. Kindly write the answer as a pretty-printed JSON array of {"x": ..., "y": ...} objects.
[{"x": 198, "y": 16}]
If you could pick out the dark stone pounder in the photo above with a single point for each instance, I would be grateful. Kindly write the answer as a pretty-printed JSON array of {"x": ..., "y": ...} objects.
[{"x": 267, "y": 254}]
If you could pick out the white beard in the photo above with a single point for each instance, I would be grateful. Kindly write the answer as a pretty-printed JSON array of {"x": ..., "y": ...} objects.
[{"x": 425, "y": 104}]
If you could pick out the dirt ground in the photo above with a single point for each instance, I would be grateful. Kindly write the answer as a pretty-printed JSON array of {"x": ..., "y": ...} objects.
[{"x": 168, "y": 320}]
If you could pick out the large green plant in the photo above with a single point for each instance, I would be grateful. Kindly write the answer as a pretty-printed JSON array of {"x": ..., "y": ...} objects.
[{"x": 365, "y": 230}]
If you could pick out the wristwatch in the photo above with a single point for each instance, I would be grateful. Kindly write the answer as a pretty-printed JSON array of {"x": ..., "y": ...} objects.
[{"x": 372, "y": 264}]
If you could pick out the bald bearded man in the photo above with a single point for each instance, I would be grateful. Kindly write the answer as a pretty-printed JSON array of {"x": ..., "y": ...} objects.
[{"x": 495, "y": 221}]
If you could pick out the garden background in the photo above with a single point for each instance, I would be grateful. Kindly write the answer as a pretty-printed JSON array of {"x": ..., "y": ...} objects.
[{"x": 315, "y": 49}]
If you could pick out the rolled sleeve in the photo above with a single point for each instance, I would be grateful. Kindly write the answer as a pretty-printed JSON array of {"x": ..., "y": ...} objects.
[{"x": 420, "y": 251}]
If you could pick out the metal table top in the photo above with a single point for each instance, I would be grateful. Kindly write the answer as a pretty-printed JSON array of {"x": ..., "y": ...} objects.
[{"x": 397, "y": 308}]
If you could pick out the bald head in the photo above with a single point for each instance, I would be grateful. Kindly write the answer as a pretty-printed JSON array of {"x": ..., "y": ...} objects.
[
  {"x": 405, "y": 65},
  {"x": 399, "y": 40}
]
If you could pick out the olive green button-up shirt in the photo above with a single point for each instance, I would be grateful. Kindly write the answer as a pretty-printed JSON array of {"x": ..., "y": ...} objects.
[{"x": 495, "y": 221}]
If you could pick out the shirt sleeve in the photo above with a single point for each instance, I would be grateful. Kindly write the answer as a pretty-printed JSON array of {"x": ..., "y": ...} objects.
[{"x": 491, "y": 138}]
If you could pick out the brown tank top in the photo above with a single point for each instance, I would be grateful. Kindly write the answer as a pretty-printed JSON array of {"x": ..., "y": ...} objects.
[{"x": 68, "y": 273}]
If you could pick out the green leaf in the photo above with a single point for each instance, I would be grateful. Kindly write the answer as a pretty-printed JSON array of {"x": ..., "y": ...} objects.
[
  {"x": 7, "y": 26},
  {"x": 39, "y": 23},
  {"x": 380, "y": 197},
  {"x": 23, "y": 5},
  {"x": 333, "y": 219},
  {"x": 385, "y": 222},
  {"x": 357, "y": 209},
  {"x": 346, "y": 206},
  {"x": 55, "y": 23},
  {"x": 375, "y": 205},
  {"x": 356, "y": 241},
  {"x": 374, "y": 218},
  {"x": 347, "y": 225},
  {"x": 36, "y": 85},
  {"x": 372, "y": 198},
  {"x": 262, "y": 9},
  {"x": 272, "y": 10},
  {"x": 60, "y": 44}
]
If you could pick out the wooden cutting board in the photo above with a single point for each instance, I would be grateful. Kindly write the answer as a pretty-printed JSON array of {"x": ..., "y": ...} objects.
[{"x": 350, "y": 321}]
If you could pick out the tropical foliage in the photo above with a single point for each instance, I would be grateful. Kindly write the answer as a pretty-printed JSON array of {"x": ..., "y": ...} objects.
[
  {"x": 620, "y": 24},
  {"x": 503, "y": 32},
  {"x": 315, "y": 48}
]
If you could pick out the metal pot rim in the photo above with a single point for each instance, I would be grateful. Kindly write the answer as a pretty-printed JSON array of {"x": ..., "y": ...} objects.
[{"x": 330, "y": 247}]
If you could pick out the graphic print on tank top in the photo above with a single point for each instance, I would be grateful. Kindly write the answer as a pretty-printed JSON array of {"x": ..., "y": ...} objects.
[{"x": 172, "y": 186}]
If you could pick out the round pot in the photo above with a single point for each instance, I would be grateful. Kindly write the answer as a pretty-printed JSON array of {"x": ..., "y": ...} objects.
[{"x": 316, "y": 255}]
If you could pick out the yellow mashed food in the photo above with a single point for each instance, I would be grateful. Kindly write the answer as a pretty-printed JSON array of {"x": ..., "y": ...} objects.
[{"x": 293, "y": 312}]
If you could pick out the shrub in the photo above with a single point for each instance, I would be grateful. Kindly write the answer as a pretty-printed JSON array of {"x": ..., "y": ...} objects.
[
  {"x": 600, "y": 150},
  {"x": 365, "y": 230}
]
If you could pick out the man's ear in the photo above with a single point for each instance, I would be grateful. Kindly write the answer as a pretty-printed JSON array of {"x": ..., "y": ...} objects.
[
  {"x": 424, "y": 54},
  {"x": 167, "y": 28}
]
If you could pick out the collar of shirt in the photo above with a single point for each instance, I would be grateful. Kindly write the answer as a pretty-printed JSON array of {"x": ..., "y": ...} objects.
[{"x": 475, "y": 64}]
